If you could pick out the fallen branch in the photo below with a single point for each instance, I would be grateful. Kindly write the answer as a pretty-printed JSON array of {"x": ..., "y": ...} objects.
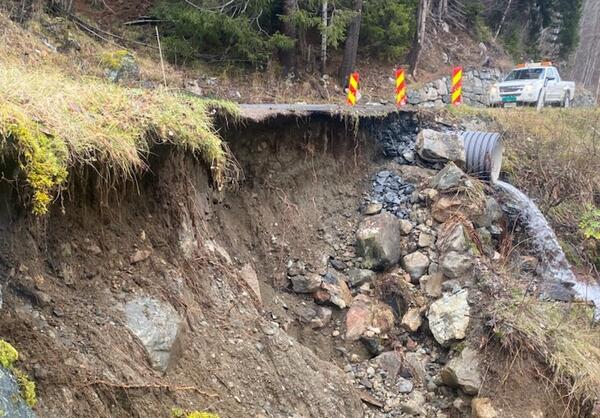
[{"x": 150, "y": 386}]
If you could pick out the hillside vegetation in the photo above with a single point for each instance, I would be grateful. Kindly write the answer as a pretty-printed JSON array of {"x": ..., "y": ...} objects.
[{"x": 52, "y": 122}]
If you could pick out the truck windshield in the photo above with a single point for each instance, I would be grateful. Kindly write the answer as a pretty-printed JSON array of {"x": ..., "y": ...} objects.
[{"x": 525, "y": 74}]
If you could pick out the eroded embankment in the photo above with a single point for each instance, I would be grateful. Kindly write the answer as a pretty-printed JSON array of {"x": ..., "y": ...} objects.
[
  {"x": 134, "y": 299},
  {"x": 77, "y": 284}
]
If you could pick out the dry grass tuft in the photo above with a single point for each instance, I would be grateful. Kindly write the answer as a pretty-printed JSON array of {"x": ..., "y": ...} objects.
[{"x": 561, "y": 335}]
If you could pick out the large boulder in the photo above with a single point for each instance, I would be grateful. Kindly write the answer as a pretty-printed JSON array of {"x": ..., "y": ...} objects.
[
  {"x": 453, "y": 237},
  {"x": 463, "y": 372},
  {"x": 415, "y": 264},
  {"x": 449, "y": 317},
  {"x": 378, "y": 241},
  {"x": 437, "y": 146},
  {"x": 157, "y": 325}
]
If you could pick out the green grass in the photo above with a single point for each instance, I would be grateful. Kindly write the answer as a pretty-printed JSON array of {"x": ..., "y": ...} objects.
[{"x": 55, "y": 122}]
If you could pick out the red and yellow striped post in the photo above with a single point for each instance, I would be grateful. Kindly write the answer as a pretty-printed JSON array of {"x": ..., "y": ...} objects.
[
  {"x": 400, "y": 87},
  {"x": 456, "y": 86},
  {"x": 353, "y": 89}
]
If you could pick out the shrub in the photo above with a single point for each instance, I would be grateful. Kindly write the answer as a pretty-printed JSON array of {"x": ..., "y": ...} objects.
[{"x": 192, "y": 34}]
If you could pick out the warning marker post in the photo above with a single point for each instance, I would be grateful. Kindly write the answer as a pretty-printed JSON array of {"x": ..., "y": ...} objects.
[
  {"x": 400, "y": 87},
  {"x": 457, "y": 86},
  {"x": 353, "y": 87}
]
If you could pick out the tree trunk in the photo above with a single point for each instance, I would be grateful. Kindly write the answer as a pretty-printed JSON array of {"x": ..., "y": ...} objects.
[
  {"x": 288, "y": 57},
  {"x": 351, "y": 46},
  {"x": 324, "y": 38},
  {"x": 442, "y": 9},
  {"x": 422, "y": 12},
  {"x": 503, "y": 19}
]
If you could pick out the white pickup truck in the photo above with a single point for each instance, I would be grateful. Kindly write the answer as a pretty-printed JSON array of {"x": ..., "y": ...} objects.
[{"x": 534, "y": 84}]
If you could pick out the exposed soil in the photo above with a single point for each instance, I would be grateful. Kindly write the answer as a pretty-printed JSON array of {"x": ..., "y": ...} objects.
[{"x": 169, "y": 235}]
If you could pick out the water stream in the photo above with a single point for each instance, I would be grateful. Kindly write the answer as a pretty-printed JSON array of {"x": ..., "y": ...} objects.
[{"x": 553, "y": 262}]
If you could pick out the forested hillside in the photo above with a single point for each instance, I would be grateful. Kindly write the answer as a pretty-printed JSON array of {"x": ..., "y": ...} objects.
[{"x": 326, "y": 36}]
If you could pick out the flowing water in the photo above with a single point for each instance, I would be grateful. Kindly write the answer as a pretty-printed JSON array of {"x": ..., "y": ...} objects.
[{"x": 553, "y": 262}]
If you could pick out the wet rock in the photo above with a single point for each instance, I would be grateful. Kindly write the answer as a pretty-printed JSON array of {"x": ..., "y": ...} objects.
[
  {"x": 414, "y": 405},
  {"x": 157, "y": 325},
  {"x": 463, "y": 372},
  {"x": 358, "y": 318},
  {"x": 11, "y": 402},
  {"x": 373, "y": 208},
  {"x": 411, "y": 321},
  {"x": 449, "y": 317},
  {"x": 357, "y": 277},
  {"x": 434, "y": 146},
  {"x": 482, "y": 408},
  {"x": 415, "y": 264},
  {"x": 432, "y": 284},
  {"x": 248, "y": 274},
  {"x": 308, "y": 283},
  {"x": 449, "y": 178},
  {"x": 393, "y": 193},
  {"x": 456, "y": 265},
  {"x": 378, "y": 241}
]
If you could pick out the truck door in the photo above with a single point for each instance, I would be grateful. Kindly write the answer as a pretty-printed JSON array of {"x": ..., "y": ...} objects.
[{"x": 553, "y": 86}]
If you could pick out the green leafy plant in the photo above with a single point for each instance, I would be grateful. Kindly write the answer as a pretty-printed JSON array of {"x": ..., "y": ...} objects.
[{"x": 590, "y": 223}]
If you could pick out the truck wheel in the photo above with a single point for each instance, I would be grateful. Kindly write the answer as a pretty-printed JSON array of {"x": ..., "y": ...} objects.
[{"x": 566, "y": 101}]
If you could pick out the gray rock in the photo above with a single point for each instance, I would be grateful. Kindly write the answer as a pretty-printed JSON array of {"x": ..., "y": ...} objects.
[
  {"x": 157, "y": 325},
  {"x": 437, "y": 146},
  {"x": 414, "y": 405},
  {"x": 463, "y": 372},
  {"x": 391, "y": 363},
  {"x": 339, "y": 265},
  {"x": 432, "y": 284},
  {"x": 378, "y": 241},
  {"x": 411, "y": 321},
  {"x": 416, "y": 363},
  {"x": 121, "y": 66},
  {"x": 373, "y": 208},
  {"x": 449, "y": 317},
  {"x": 306, "y": 283},
  {"x": 358, "y": 277},
  {"x": 404, "y": 385},
  {"x": 426, "y": 240},
  {"x": 454, "y": 239},
  {"x": 449, "y": 178},
  {"x": 492, "y": 213},
  {"x": 12, "y": 404},
  {"x": 415, "y": 264},
  {"x": 405, "y": 226},
  {"x": 456, "y": 265}
]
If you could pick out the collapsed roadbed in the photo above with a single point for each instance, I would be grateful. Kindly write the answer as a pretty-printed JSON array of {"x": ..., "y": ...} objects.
[{"x": 341, "y": 275}]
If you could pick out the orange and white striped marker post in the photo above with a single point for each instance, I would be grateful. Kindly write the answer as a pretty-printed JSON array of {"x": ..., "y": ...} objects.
[
  {"x": 353, "y": 94},
  {"x": 457, "y": 86},
  {"x": 400, "y": 87}
]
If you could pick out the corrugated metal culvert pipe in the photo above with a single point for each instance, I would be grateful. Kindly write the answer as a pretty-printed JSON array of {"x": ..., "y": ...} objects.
[{"x": 484, "y": 154}]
